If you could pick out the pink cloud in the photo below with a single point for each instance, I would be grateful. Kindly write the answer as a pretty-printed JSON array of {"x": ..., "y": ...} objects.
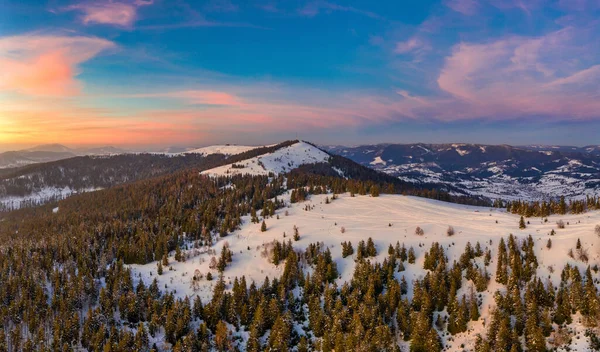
[
  {"x": 204, "y": 97},
  {"x": 315, "y": 7},
  {"x": 466, "y": 7},
  {"x": 196, "y": 97},
  {"x": 413, "y": 45},
  {"x": 121, "y": 14},
  {"x": 524, "y": 5},
  {"x": 520, "y": 76},
  {"x": 45, "y": 64}
]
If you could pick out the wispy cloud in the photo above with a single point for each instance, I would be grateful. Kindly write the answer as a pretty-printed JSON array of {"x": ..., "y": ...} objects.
[
  {"x": 268, "y": 6},
  {"x": 115, "y": 13},
  {"x": 415, "y": 46},
  {"x": 314, "y": 8},
  {"x": 189, "y": 17},
  {"x": 466, "y": 7},
  {"x": 196, "y": 97},
  {"x": 46, "y": 64},
  {"x": 221, "y": 6}
]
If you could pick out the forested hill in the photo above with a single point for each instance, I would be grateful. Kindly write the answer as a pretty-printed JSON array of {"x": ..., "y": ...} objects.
[
  {"x": 49, "y": 182},
  {"x": 308, "y": 261},
  {"x": 46, "y": 182}
]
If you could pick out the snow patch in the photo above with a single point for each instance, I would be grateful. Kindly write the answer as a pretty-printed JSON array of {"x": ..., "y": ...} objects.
[{"x": 377, "y": 161}]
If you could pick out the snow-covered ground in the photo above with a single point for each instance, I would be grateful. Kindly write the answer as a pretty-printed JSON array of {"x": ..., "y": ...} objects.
[
  {"x": 227, "y": 149},
  {"x": 41, "y": 196},
  {"x": 280, "y": 161},
  {"x": 387, "y": 219}
]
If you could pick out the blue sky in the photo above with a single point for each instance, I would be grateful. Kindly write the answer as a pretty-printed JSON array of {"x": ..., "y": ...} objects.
[{"x": 152, "y": 73}]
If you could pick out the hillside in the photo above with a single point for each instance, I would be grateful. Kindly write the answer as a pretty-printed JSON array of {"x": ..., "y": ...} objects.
[
  {"x": 41, "y": 183},
  {"x": 279, "y": 161},
  {"x": 226, "y": 149},
  {"x": 50, "y": 152},
  {"x": 359, "y": 268},
  {"x": 492, "y": 171},
  {"x": 387, "y": 220}
]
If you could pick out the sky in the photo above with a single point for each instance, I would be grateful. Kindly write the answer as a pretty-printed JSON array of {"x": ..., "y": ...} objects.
[{"x": 148, "y": 74}]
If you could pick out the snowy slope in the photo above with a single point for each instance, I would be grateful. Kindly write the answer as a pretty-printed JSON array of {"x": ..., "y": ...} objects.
[
  {"x": 227, "y": 149},
  {"x": 280, "y": 161},
  {"x": 41, "y": 196},
  {"x": 386, "y": 219}
]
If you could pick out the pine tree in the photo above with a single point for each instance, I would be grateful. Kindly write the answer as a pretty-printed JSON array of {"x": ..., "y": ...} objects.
[
  {"x": 303, "y": 345},
  {"x": 222, "y": 263},
  {"x": 374, "y": 191},
  {"x": 3, "y": 342},
  {"x": 501, "y": 269},
  {"x": 411, "y": 256},
  {"x": 371, "y": 250},
  {"x": 197, "y": 310},
  {"x": 473, "y": 306},
  {"x": 263, "y": 226},
  {"x": 522, "y": 224},
  {"x": 178, "y": 256},
  {"x": 361, "y": 251},
  {"x": 481, "y": 344},
  {"x": 281, "y": 333},
  {"x": 253, "y": 344},
  {"x": 141, "y": 338},
  {"x": 222, "y": 342},
  {"x": 347, "y": 249}
]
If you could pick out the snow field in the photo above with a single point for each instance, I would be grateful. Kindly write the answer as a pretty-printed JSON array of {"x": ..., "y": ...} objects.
[
  {"x": 222, "y": 149},
  {"x": 280, "y": 161},
  {"x": 386, "y": 219}
]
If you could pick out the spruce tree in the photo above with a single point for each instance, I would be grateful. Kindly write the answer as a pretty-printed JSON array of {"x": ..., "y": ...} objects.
[
  {"x": 411, "y": 256},
  {"x": 501, "y": 269},
  {"x": 371, "y": 250}
]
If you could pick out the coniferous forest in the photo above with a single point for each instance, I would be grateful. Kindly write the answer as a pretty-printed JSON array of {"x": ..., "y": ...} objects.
[{"x": 66, "y": 283}]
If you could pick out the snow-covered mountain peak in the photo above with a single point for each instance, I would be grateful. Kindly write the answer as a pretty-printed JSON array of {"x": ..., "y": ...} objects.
[
  {"x": 56, "y": 148},
  {"x": 226, "y": 149},
  {"x": 280, "y": 161}
]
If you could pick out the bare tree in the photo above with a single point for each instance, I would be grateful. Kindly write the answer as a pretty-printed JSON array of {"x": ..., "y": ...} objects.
[
  {"x": 195, "y": 284},
  {"x": 213, "y": 263}
]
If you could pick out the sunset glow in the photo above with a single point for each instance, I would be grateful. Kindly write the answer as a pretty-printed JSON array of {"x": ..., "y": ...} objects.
[{"x": 159, "y": 73}]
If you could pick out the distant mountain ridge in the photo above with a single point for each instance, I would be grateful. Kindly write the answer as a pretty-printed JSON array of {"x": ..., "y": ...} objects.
[
  {"x": 493, "y": 171},
  {"x": 51, "y": 152},
  {"x": 588, "y": 149}
]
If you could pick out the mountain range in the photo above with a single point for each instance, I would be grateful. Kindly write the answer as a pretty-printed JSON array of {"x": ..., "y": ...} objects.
[
  {"x": 473, "y": 170},
  {"x": 50, "y": 152},
  {"x": 492, "y": 171}
]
